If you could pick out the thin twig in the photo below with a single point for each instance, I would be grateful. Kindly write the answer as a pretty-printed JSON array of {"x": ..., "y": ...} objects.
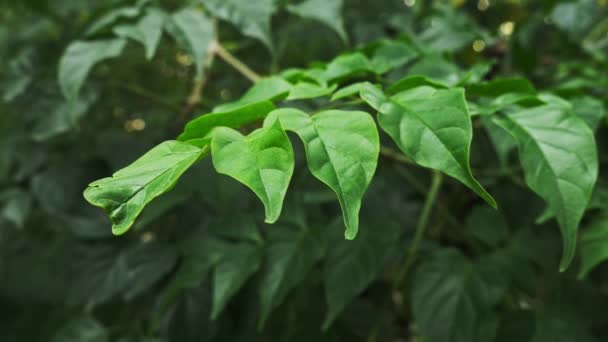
[
  {"x": 394, "y": 155},
  {"x": 236, "y": 63},
  {"x": 195, "y": 97},
  {"x": 420, "y": 228}
]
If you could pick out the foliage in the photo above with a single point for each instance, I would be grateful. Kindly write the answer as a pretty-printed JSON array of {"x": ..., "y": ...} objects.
[{"x": 422, "y": 166}]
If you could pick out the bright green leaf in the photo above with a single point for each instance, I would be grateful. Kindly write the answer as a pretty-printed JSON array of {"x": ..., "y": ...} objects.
[
  {"x": 558, "y": 153},
  {"x": 263, "y": 161},
  {"x": 79, "y": 58},
  {"x": 308, "y": 90},
  {"x": 348, "y": 65},
  {"x": 328, "y": 12},
  {"x": 124, "y": 195},
  {"x": 432, "y": 129},
  {"x": 342, "y": 150},
  {"x": 267, "y": 89}
]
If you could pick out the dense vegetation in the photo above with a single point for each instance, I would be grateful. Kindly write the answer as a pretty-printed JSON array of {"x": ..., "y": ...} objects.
[{"x": 315, "y": 170}]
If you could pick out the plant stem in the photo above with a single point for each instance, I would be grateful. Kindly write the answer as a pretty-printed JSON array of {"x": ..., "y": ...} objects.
[
  {"x": 420, "y": 228},
  {"x": 235, "y": 63}
]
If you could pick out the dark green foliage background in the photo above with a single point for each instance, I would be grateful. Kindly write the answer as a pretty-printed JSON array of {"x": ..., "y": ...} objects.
[{"x": 480, "y": 274}]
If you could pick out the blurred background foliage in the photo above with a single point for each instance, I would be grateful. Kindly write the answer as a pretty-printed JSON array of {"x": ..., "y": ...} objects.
[{"x": 482, "y": 275}]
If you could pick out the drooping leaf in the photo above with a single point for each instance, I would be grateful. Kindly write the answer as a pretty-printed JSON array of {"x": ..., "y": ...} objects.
[
  {"x": 433, "y": 128},
  {"x": 239, "y": 263},
  {"x": 197, "y": 31},
  {"x": 79, "y": 58},
  {"x": 124, "y": 195},
  {"x": 251, "y": 17},
  {"x": 594, "y": 245},
  {"x": 450, "y": 288},
  {"x": 84, "y": 329},
  {"x": 342, "y": 150},
  {"x": 263, "y": 161},
  {"x": 558, "y": 153},
  {"x": 290, "y": 254},
  {"x": 147, "y": 31},
  {"x": 327, "y": 12}
]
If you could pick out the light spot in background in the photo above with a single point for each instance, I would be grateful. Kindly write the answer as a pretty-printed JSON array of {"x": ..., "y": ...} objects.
[
  {"x": 409, "y": 3},
  {"x": 148, "y": 237},
  {"x": 506, "y": 28},
  {"x": 483, "y": 5},
  {"x": 184, "y": 59},
  {"x": 135, "y": 125},
  {"x": 479, "y": 45},
  {"x": 457, "y": 3},
  {"x": 602, "y": 2}
]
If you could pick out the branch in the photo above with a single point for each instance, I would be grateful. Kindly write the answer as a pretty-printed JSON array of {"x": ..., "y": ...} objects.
[
  {"x": 236, "y": 63},
  {"x": 420, "y": 228}
]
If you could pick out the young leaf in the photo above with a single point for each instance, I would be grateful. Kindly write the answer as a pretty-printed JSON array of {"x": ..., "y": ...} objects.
[
  {"x": 252, "y": 17},
  {"x": 432, "y": 128},
  {"x": 240, "y": 261},
  {"x": 78, "y": 60},
  {"x": 263, "y": 161},
  {"x": 558, "y": 153},
  {"x": 309, "y": 90},
  {"x": 124, "y": 195},
  {"x": 147, "y": 31},
  {"x": 594, "y": 246},
  {"x": 290, "y": 254},
  {"x": 328, "y": 12},
  {"x": 342, "y": 150}
]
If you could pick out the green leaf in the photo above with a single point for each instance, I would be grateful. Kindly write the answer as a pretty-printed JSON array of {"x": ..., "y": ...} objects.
[
  {"x": 239, "y": 262},
  {"x": 351, "y": 266},
  {"x": 594, "y": 245},
  {"x": 348, "y": 91},
  {"x": 342, "y": 150},
  {"x": 392, "y": 54},
  {"x": 291, "y": 255},
  {"x": 448, "y": 30},
  {"x": 62, "y": 118},
  {"x": 488, "y": 226},
  {"x": 197, "y": 130},
  {"x": 197, "y": 31},
  {"x": 263, "y": 161},
  {"x": 251, "y": 17},
  {"x": 79, "y": 58},
  {"x": 16, "y": 206},
  {"x": 328, "y": 12},
  {"x": 590, "y": 109},
  {"x": 415, "y": 81},
  {"x": 346, "y": 66},
  {"x": 84, "y": 329},
  {"x": 450, "y": 288},
  {"x": 432, "y": 129},
  {"x": 124, "y": 195},
  {"x": 501, "y": 86},
  {"x": 147, "y": 31},
  {"x": 114, "y": 15},
  {"x": 267, "y": 89},
  {"x": 308, "y": 90},
  {"x": 558, "y": 153}
]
